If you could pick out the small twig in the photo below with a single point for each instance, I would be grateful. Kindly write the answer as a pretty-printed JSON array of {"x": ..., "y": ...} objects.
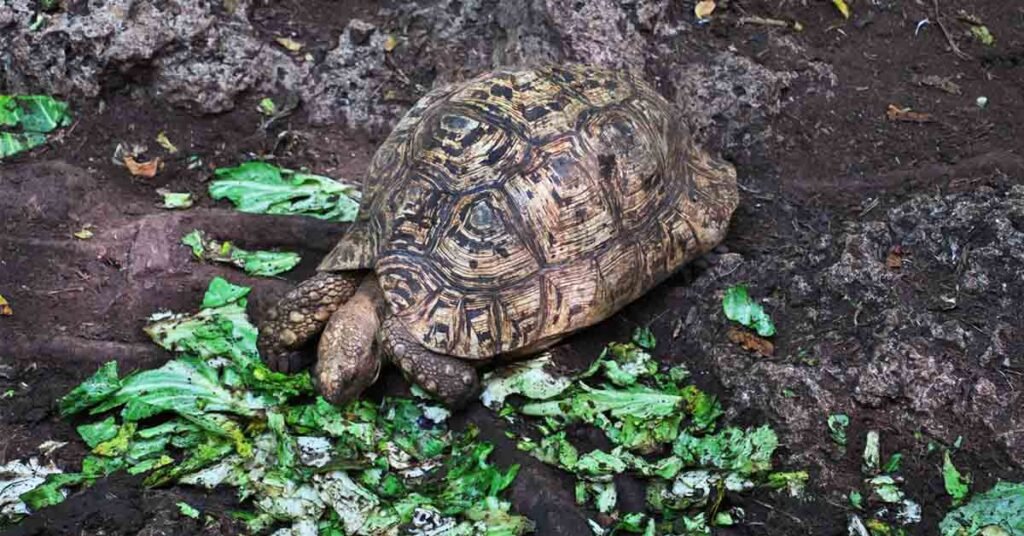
[
  {"x": 774, "y": 509},
  {"x": 64, "y": 290},
  {"x": 949, "y": 38},
  {"x": 761, "y": 21}
]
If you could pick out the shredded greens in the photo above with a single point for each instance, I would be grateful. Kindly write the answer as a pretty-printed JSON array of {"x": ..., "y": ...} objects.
[
  {"x": 660, "y": 429},
  {"x": 215, "y": 416}
]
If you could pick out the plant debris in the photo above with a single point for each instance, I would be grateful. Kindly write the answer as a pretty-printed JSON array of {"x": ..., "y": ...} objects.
[
  {"x": 18, "y": 478},
  {"x": 837, "y": 423},
  {"x": 5, "y": 307},
  {"x": 704, "y": 8},
  {"x": 895, "y": 113},
  {"x": 957, "y": 485},
  {"x": 996, "y": 512},
  {"x": 267, "y": 107},
  {"x": 844, "y": 9},
  {"x": 85, "y": 233},
  {"x": 751, "y": 342},
  {"x": 217, "y": 417},
  {"x": 943, "y": 83},
  {"x": 25, "y": 120},
  {"x": 259, "y": 263},
  {"x": 289, "y": 44},
  {"x": 659, "y": 428},
  {"x": 984, "y": 36},
  {"x": 740, "y": 307},
  {"x": 262, "y": 188},
  {"x": 165, "y": 142},
  {"x": 147, "y": 169},
  {"x": 175, "y": 199}
]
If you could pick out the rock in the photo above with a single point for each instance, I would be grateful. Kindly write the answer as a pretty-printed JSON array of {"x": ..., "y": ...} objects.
[{"x": 359, "y": 31}]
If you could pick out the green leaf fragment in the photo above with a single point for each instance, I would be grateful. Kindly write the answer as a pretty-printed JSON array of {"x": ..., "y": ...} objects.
[
  {"x": 117, "y": 445},
  {"x": 262, "y": 188},
  {"x": 644, "y": 338},
  {"x": 837, "y": 424},
  {"x": 982, "y": 34},
  {"x": 793, "y": 481},
  {"x": 99, "y": 386},
  {"x": 893, "y": 465},
  {"x": 957, "y": 485},
  {"x": 856, "y": 499},
  {"x": 257, "y": 263},
  {"x": 176, "y": 199},
  {"x": 26, "y": 119},
  {"x": 96, "y": 433},
  {"x": 187, "y": 510},
  {"x": 267, "y": 106},
  {"x": 742, "y": 451},
  {"x": 739, "y": 307},
  {"x": 872, "y": 453},
  {"x": 529, "y": 378}
]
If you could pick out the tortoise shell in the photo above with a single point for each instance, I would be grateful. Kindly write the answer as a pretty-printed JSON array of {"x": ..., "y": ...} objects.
[{"x": 508, "y": 211}]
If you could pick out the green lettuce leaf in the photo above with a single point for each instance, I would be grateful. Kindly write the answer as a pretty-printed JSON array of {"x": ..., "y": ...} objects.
[
  {"x": 262, "y": 188},
  {"x": 26, "y": 119},
  {"x": 740, "y": 307},
  {"x": 258, "y": 263},
  {"x": 103, "y": 383}
]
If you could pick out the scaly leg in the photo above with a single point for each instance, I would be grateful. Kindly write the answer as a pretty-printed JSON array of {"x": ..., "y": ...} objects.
[
  {"x": 453, "y": 381},
  {"x": 300, "y": 316}
]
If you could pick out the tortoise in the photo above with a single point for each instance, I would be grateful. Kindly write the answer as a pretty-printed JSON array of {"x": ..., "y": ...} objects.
[{"x": 500, "y": 215}]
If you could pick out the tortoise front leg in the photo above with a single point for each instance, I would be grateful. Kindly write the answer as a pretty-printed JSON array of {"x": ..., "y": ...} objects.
[
  {"x": 451, "y": 380},
  {"x": 300, "y": 316}
]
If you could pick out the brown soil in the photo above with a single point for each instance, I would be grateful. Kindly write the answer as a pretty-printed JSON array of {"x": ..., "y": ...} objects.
[{"x": 829, "y": 156}]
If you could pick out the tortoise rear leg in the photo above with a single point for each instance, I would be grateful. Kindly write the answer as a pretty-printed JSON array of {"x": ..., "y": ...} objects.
[
  {"x": 451, "y": 380},
  {"x": 300, "y": 316}
]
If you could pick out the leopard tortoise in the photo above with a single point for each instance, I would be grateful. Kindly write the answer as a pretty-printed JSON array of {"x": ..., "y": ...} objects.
[{"x": 502, "y": 214}]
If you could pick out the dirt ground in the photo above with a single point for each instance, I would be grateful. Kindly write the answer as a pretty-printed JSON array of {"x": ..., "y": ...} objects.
[{"x": 890, "y": 252}]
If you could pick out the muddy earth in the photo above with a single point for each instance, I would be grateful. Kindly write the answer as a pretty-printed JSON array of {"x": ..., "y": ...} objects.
[{"x": 889, "y": 253}]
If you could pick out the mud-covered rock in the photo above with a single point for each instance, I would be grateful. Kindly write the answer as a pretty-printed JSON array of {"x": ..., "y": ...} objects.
[
  {"x": 196, "y": 54},
  {"x": 899, "y": 341}
]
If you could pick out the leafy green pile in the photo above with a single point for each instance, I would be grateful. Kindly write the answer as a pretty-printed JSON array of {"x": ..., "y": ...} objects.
[
  {"x": 216, "y": 416},
  {"x": 25, "y": 120},
  {"x": 261, "y": 263},
  {"x": 997, "y": 512},
  {"x": 263, "y": 188},
  {"x": 661, "y": 429}
]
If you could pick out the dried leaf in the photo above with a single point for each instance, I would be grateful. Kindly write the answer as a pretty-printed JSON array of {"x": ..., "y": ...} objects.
[
  {"x": 939, "y": 82},
  {"x": 390, "y": 43},
  {"x": 704, "y": 8},
  {"x": 894, "y": 261},
  {"x": 288, "y": 43},
  {"x": 895, "y": 113},
  {"x": 751, "y": 342},
  {"x": 142, "y": 169},
  {"x": 164, "y": 142},
  {"x": 5, "y": 308},
  {"x": 842, "y": 7}
]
